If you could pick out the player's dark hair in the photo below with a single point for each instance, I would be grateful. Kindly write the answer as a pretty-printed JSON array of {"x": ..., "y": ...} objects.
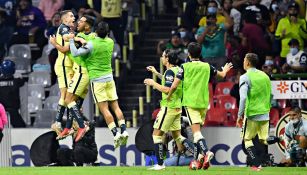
[
  {"x": 64, "y": 12},
  {"x": 252, "y": 58},
  {"x": 102, "y": 29},
  {"x": 194, "y": 50},
  {"x": 89, "y": 20},
  {"x": 172, "y": 56}
]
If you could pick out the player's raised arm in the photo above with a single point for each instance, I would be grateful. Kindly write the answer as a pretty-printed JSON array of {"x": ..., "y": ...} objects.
[
  {"x": 154, "y": 71},
  {"x": 225, "y": 69}
]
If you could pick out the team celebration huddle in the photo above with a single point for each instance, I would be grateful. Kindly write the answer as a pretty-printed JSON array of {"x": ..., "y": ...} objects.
[{"x": 84, "y": 58}]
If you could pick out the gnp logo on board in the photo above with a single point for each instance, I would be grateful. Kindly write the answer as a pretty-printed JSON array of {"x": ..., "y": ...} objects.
[
  {"x": 280, "y": 128},
  {"x": 283, "y": 87}
]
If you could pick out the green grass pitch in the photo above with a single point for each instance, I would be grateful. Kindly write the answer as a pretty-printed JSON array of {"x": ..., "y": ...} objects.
[{"x": 105, "y": 170}]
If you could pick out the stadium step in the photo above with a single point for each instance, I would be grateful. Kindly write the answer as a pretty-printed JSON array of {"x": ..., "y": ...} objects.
[{"x": 145, "y": 55}]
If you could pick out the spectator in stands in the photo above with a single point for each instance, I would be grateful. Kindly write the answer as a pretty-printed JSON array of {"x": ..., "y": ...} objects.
[
  {"x": 259, "y": 12},
  {"x": 193, "y": 13},
  {"x": 50, "y": 7},
  {"x": 111, "y": 11},
  {"x": 3, "y": 120},
  {"x": 52, "y": 52},
  {"x": 86, "y": 10},
  {"x": 296, "y": 59},
  {"x": 175, "y": 44},
  {"x": 82, "y": 152},
  {"x": 269, "y": 66},
  {"x": 291, "y": 27},
  {"x": 212, "y": 39},
  {"x": 9, "y": 92},
  {"x": 212, "y": 8},
  {"x": 234, "y": 14},
  {"x": 252, "y": 38},
  {"x": 74, "y": 5},
  {"x": 275, "y": 16},
  {"x": 7, "y": 23},
  {"x": 31, "y": 24}
]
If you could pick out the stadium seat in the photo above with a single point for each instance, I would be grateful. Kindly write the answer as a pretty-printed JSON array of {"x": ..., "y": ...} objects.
[
  {"x": 20, "y": 51},
  {"x": 36, "y": 90},
  {"x": 274, "y": 116},
  {"x": 215, "y": 117},
  {"x": 45, "y": 50},
  {"x": 51, "y": 103},
  {"x": 285, "y": 111},
  {"x": 210, "y": 91},
  {"x": 42, "y": 78},
  {"x": 282, "y": 103},
  {"x": 211, "y": 103},
  {"x": 43, "y": 60},
  {"x": 226, "y": 101},
  {"x": 45, "y": 118},
  {"x": 232, "y": 115},
  {"x": 34, "y": 104},
  {"x": 223, "y": 88},
  {"x": 55, "y": 91},
  {"x": 21, "y": 65}
]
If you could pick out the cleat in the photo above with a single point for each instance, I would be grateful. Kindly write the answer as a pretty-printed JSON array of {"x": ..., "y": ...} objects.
[
  {"x": 56, "y": 127},
  {"x": 117, "y": 140},
  {"x": 208, "y": 157},
  {"x": 124, "y": 138},
  {"x": 255, "y": 168},
  {"x": 194, "y": 165},
  {"x": 81, "y": 132},
  {"x": 66, "y": 132},
  {"x": 201, "y": 159},
  {"x": 157, "y": 167}
]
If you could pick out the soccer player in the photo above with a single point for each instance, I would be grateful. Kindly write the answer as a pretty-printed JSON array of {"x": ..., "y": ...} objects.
[
  {"x": 77, "y": 89},
  {"x": 63, "y": 64},
  {"x": 168, "y": 118},
  {"x": 195, "y": 77},
  {"x": 255, "y": 104},
  {"x": 98, "y": 57}
]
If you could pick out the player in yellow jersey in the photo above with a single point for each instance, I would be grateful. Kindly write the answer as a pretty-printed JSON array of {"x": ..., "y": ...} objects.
[
  {"x": 63, "y": 65},
  {"x": 78, "y": 86}
]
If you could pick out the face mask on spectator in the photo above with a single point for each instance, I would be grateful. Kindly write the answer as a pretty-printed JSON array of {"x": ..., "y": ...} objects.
[
  {"x": 183, "y": 34},
  {"x": 295, "y": 122},
  {"x": 293, "y": 50},
  {"x": 212, "y": 9},
  {"x": 268, "y": 62},
  {"x": 274, "y": 7}
]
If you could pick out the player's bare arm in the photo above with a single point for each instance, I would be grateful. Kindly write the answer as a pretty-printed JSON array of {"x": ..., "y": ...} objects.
[
  {"x": 154, "y": 71},
  {"x": 151, "y": 82},
  {"x": 60, "y": 48},
  {"x": 225, "y": 69}
]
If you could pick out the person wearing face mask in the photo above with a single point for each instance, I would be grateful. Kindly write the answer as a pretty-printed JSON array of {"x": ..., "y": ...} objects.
[
  {"x": 213, "y": 9},
  {"x": 269, "y": 66},
  {"x": 291, "y": 27},
  {"x": 296, "y": 58},
  {"x": 295, "y": 136}
]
